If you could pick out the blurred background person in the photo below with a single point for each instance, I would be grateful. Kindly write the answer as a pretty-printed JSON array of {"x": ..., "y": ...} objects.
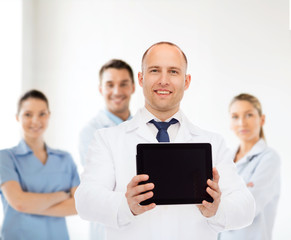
[
  {"x": 116, "y": 85},
  {"x": 257, "y": 164},
  {"x": 37, "y": 182}
]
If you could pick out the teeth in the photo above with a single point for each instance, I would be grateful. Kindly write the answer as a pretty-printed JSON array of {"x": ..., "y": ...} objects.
[{"x": 163, "y": 92}]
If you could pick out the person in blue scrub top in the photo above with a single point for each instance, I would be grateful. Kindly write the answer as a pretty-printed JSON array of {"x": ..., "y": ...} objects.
[
  {"x": 257, "y": 164},
  {"x": 37, "y": 182},
  {"x": 116, "y": 85}
]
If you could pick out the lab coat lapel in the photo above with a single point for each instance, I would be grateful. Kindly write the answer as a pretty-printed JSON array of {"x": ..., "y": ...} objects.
[
  {"x": 186, "y": 131},
  {"x": 144, "y": 132},
  {"x": 140, "y": 128}
]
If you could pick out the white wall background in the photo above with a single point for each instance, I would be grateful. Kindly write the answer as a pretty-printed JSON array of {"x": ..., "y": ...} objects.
[{"x": 232, "y": 47}]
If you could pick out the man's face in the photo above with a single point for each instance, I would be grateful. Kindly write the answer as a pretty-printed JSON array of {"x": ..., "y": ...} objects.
[
  {"x": 164, "y": 79},
  {"x": 116, "y": 87}
]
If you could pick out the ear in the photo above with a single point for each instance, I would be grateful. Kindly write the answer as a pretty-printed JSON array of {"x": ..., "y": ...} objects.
[
  {"x": 17, "y": 117},
  {"x": 100, "y": 89},
  {"x": 140, "y": 79},
  {"x": 187, "y": 81},
  {"x": 263, "y": 118},
  {"x": 133, "y": 88}
]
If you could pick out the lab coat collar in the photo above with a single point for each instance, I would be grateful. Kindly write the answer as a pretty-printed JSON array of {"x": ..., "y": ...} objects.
[
  {"x": 139, "y": 123},
  {"x": 258, "y": 148}
]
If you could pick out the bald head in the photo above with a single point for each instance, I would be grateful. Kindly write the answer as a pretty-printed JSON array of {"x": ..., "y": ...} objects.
[{"x": 163, "y": 43}]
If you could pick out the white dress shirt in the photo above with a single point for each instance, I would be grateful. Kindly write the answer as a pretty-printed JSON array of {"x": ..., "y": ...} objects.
[
  {"x": 111, "y": 166},
  {"x": 261, "y": 166},
  {"x": 173, "y": 128}
]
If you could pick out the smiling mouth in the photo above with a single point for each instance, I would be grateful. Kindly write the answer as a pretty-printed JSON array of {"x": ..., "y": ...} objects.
[
  {"x": 163, "y": 92},
  {"x": 244, "y": 131},
  {"x": 118, "y": 100},
  {"x": 35, "y": 129}
]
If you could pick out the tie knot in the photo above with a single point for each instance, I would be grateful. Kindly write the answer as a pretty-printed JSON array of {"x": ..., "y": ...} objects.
[
  {"x": 163, "y": 125},
  {"x": 163, "y": 135}
]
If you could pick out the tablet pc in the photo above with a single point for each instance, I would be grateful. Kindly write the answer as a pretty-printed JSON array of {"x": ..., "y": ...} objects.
[{"x": 179, "y": 171}]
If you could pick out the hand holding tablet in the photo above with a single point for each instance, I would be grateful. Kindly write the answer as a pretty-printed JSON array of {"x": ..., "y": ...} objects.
[{"x": 137, "y": 193}]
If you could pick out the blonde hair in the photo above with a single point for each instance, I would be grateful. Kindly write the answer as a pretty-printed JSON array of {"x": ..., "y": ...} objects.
[{"x": 256, "y": 104}]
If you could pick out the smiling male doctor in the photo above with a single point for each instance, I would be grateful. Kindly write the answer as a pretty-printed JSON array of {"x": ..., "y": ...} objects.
[{"x": 109, "y": 192}]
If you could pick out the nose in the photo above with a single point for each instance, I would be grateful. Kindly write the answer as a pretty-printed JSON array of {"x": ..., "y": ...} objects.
[
  {"x": 164, "y": 79},
  {"x": 116, "y": 90},
  {"x": 242, "y": 121},
  {"x": 35, "y": 119}
]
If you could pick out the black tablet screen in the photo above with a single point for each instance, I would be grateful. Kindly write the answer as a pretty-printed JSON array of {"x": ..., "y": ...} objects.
[{"x": 179, "y": 171}]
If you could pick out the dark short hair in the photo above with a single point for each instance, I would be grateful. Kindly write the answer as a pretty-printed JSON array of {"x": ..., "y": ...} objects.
[
  {"x": 160, "y": 43},
  {"x": 31, "y": 94},
  {"x": 117, "y": 64}
]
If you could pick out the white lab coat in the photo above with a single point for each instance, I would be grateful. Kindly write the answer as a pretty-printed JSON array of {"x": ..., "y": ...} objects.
[
  {"x": 111, "y": 166},
  {"x": 261, "y": 166}
]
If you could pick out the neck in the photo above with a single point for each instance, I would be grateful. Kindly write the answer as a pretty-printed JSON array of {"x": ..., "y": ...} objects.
[
  {"x": 35, "y": 144},
  {"x": 163, "y": 116},
  {"x": 122, "y": 115},
  {"x": 246, "y": 146}
]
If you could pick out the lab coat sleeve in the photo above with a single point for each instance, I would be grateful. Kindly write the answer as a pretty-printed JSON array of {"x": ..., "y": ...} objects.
[
  {"x": 95, "y": 197},
  {"x": 237, "y": 206},
  {"x": 85, "y": 138},
  {"x": 266, "y": 180}
]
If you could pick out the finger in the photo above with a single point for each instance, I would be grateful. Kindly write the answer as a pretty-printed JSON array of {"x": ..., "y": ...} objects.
[
  {"x": 250, "y": 184},
  {"x": 142, "y": 197},
  {"x": 136, "y": 179},
  {"x": 213, "y": 185},
  {"x": 142, "y": 209},
  {"x": 215, "y": 175},
  {"x": 208, "y": 205},
  {"x": 139, "y": 189},
  {"x": 215, "y": 195}
]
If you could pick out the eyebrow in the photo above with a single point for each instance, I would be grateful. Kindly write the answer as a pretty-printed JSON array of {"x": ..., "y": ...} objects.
[
  {"x": 249, "y": 110},
  {"x": 122, "y": 81},
  {"x": 177, "y": 68},
  {"x": 154, "y": 67}
]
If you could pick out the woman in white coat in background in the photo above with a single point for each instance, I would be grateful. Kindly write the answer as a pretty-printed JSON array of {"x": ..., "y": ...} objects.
[{"x": 257, "y": 164}]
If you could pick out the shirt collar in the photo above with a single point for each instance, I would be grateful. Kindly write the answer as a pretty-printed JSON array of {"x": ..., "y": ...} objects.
[
  {"x": 114, "y": 118},
  {"x": 23, "y": 149},
  {"x": 144, "y": 116},
  {"x": 255, "y": 150},
  {"x": 148, "y": 116}
]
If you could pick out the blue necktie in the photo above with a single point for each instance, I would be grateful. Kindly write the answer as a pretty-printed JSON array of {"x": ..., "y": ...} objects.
[{"x": 163, "y": 135}]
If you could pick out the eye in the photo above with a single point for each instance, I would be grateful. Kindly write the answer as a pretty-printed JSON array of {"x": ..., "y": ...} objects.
[
  {"x": 250, "y": 115},
  {"x": 173, "y": 72},
  {"x": 124, "y": 84},
  {"x": 42, "y": 114},
  {"x": 109, "y": 85},
  {"x": 154, "y": 70},
  {"x": 234, "y": 117},
  {"x": 27, "y": 114}
]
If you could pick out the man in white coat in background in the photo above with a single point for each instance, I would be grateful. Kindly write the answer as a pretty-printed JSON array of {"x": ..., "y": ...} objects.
[
  {"x": 109, "y": 192},
  {"x": 116, "y": 85}
]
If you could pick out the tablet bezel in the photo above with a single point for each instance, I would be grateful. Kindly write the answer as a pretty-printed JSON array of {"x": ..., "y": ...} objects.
[{"x": 180, "y": 146}]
